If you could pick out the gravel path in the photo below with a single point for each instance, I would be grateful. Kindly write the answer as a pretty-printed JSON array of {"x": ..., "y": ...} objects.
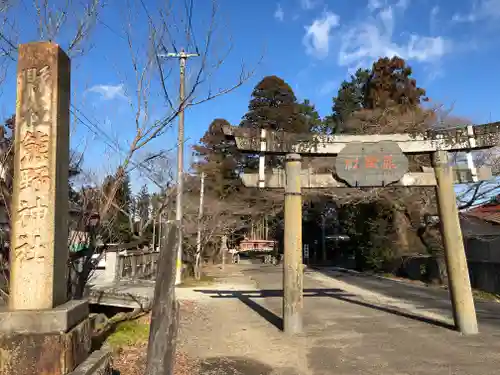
[{"x": 228, "y": 337}]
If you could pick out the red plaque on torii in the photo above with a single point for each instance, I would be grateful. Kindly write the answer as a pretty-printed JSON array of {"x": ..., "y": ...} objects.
[{"x": 363, "y": 164}]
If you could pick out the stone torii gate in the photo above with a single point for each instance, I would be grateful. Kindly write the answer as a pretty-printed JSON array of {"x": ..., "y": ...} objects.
[{"x": 370, "y": 161}]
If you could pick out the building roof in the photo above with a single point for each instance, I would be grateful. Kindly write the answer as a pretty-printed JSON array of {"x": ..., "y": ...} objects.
[{"x": 489, "y": 212}]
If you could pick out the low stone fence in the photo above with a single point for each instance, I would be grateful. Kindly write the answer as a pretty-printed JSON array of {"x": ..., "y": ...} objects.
[
  {"x": 130, "y": 265},
  {"x": 137, "y": 264}
]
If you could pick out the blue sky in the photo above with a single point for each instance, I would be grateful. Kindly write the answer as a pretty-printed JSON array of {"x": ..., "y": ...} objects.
[{"x": 312, "y": 44}]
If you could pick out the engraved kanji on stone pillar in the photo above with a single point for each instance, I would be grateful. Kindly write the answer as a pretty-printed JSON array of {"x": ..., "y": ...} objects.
[{"x": 39, "y": 235}]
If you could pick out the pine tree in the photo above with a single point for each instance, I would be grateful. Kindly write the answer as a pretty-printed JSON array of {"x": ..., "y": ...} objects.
[
  {"x": 311, "y": 116},
  {"x": 219, "y": 159},
  {"x": 372, "y": 99},
  {"x": 350, "y": 98},
  {"x": 384, "y": 99},
  {"x": 143, "y": 203},
  {"x": 390, "y": 84},
  {"x": 274, "y": 106},
  {"x": 117, "y": 219}
]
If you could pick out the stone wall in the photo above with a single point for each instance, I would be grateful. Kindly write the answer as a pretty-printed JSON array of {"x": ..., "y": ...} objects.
[{"x": 484, "y": 275}]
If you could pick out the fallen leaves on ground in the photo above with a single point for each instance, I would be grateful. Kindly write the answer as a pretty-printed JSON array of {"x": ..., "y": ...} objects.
[
  {"x": 130, "y": 351},
  {"x": 132, "y": 361},
  {"x": 187, "y": 306},
  {"x": 185, "y": 365}
]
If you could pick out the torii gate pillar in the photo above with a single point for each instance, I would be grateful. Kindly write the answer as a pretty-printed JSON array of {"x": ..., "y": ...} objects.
[
  {"x": 292, "y": 265},
  {"x": 464, "y": 312}
]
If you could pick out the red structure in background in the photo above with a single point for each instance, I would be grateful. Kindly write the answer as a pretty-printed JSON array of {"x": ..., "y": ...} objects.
[
  {"x": 257, "y": 245},
  {"x": 489, "y": 211},
  {"x": 265, "y": 249}
]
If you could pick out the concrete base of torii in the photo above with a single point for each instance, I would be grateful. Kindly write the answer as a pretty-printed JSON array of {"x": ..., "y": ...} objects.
[{"x": 53, "y": 341}]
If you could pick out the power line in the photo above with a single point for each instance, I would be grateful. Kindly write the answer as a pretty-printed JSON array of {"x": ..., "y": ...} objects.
[
  {"x": 98, "y": 19},
  {"x": 96, "y": 130}
]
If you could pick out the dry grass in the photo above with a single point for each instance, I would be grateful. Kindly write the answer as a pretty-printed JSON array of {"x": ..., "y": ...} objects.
[
  {"x": 129, "y": 345},
  {"x": 191, "y": 282},
  {"x": 129, "y": 334}
]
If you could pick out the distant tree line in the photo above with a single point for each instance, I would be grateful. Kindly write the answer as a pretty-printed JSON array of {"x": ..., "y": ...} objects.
[{"x": 383, "y": 224}]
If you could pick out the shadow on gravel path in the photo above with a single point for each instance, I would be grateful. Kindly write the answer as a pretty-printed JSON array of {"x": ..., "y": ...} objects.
[{"x": 240, "y": 366}]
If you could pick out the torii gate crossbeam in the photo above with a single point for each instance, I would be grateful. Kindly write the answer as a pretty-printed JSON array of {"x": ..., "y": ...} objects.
[{"x": 443, "y": 176}]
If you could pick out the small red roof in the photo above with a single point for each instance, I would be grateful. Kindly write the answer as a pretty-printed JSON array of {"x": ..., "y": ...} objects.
[{"x": 488, "y": 212}]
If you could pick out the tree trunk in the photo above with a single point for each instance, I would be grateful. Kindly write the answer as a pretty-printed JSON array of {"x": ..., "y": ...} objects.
[
  {"x": 80, "y": 271},
  {"x": 165, "y": 311},
  {"x": 197, "y": 266},
  {"x": 443, "y": 273},
  {"x": 401, "y": 226},
  {"x": 223, "y": 249}
]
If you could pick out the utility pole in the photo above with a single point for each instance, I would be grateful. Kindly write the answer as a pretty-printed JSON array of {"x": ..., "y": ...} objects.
[
  {"x": 200, "y": 218},
  {"x": 182, "y": 56}
]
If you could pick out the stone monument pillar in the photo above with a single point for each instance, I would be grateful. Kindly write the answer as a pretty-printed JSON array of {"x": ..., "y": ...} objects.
[
  {"x": 42, "y": 332},
  {"x": 39, "y": 254}
]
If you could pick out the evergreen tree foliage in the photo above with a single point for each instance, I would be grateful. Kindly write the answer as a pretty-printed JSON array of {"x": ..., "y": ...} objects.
[
  {"x": 117, "y": 220},
  {"x": 273, "y": 106},
  {"x": 350, "y": 99},
  {"x": 143, "y": 204},
  {"x": 390, "y": 84},
  {"x": 311, "y": 116},
  {"x": 372, "y": 98},
  {"x": 219, "y": 158}
]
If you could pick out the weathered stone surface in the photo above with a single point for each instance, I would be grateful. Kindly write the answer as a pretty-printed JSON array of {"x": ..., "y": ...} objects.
[
  {"x": 311, "y": 180},
  {"x": 39, "y": 237},
  {"x": 98, "y": 363},
  {"x": 371, "y": 164},
  {"x": 278, "y": 142},
  {"x": 126, "y": 294},
  {"x": 59, "y": 319},
  {"x": 53, "y": 353}
]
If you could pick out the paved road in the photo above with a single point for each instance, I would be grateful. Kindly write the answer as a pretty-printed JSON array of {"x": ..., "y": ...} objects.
[
  {"x": 348, "y": 330},
  {"x": 427, "y": 297}
]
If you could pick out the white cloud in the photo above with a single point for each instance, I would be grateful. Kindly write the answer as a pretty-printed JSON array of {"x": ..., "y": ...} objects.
[
  {"x": 374, "y": 38},
  {"x": 434, "y": 25},
  {"x": 309, "y": 4},
  {"x": 279, "y": 14},
  {"x": 481, "y": 10},
  {"x": 376, "y": 4},
  {"x": 403, "y": 4},
  {"x": 109, "y": 92},
  {"x": 317, "y": 37},
  {"x": 470, "y": 17},
  {"x": 425, "y": 48}
]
